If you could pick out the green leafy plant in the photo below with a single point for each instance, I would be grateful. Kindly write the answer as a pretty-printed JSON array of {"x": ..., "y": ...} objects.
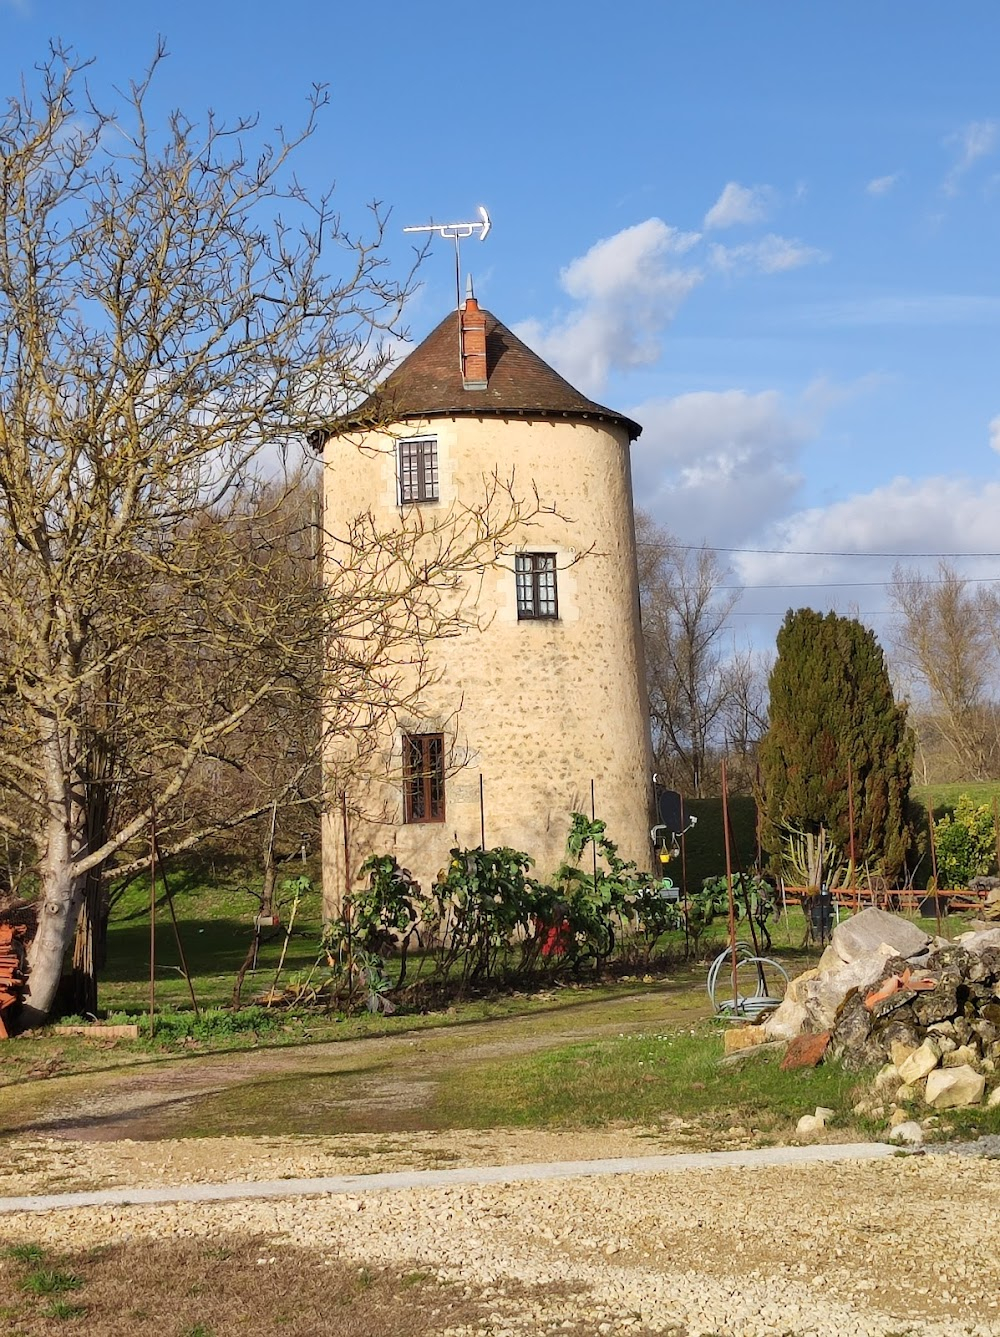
[
  {"x": 481, "y": 902},
  {"x": 386, "y": 913},
  {"x": 964, "y": 843},
  {"x": 598, "y": 900},
  {"x": 753, "y": 897}
]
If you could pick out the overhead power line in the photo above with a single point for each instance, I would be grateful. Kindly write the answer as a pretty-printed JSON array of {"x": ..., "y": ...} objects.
[
  {"x": 859, "y": 584},
  {"x": 807, "y": 552}
]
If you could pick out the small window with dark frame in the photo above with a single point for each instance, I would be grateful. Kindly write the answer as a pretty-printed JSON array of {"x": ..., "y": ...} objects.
[
  {"x": 535, "y": 574},
  {"x": 423, "y": 777},
  {"x": 418, "y": 469}
]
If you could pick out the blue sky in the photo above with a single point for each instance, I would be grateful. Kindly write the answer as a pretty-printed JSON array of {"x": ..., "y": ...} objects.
[{"x": 765, "y": 229}]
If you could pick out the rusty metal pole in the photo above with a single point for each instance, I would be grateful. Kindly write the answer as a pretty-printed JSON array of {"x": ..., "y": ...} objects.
[
  {"x": 152, "y": 922},
  {"x": 593, "y": 842},
  {"x": 934, "y": 867},
  {"x": 347, "y": 907},
  {"x": 850, "y": 819},
  {"x": 684, "y": 883},
  {"x": 177, "y": 930},
  {"x": 729, "y": 886}
]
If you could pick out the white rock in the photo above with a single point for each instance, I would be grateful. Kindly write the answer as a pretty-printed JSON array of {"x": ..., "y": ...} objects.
[
  {"x": 994, "y": 1099},
  {"x": 909, "y": 1133},
  {"x": 921, "y": 1062},
  {"x": 960, "y": 1057},
  {"x": 949, "y": 1088},
  {"x": 865, "y": 932},
  {"x": 824, "y": 1115},
  {"x": 900, "y": 1052},
  {"x": 809, "y": 1126}
]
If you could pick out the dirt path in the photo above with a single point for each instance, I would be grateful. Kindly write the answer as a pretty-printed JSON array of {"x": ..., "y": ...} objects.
[{"x": 383, "y": 1085}]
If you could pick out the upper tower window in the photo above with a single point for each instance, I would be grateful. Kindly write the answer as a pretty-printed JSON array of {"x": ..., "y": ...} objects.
[
  {"x": 535, "y": 574},
  {"x": 418, "y": 469}
]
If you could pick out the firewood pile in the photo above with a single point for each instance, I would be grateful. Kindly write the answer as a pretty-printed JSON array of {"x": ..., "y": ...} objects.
[{"x": 12, "y": 974}]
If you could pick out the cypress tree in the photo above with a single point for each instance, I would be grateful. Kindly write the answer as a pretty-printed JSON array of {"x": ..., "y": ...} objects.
[{"x": 831, "y": 704}]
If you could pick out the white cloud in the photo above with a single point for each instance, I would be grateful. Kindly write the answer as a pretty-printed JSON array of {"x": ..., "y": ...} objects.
[
  {"x": 770, "y": 255},
  {"x": 739, "y": 204},
  {"x": 881, "y": 185},
  {"x": 976, "y": 140},
  {"x": 905, "y": 515},
  {"x": 628, "y": 288},
  {"x": 715, "y": 466},
  {"x": 995, "y": 434}
]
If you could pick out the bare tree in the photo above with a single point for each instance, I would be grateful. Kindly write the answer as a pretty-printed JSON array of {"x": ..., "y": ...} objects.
[
  {"x": 685, "y": 614},
  {"x": 945, "y": 642},
  {"x": 171, "y": 307},
  {"x": 744, "y": 716}
]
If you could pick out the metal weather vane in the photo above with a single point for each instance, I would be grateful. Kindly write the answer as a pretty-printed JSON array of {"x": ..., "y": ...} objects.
[{"x": 458, "y": 232}]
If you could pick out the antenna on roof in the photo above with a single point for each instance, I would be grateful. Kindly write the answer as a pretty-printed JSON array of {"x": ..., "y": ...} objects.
[{"x": 458, "y": 232}]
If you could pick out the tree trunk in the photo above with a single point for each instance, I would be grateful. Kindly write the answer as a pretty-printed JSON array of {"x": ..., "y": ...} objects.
[
  {"x": 62, "y": 890},
  {"x": 58, "y": 910},
  {"x": 89, "y": 946}
]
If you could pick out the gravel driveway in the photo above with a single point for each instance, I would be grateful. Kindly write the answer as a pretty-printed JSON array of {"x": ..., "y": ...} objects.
[{"x": 902, "y": 1245}]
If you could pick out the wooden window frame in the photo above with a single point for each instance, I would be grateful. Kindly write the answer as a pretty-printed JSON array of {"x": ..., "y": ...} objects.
[
  {"x": 417, "y": 470},
  {"x": 537, "y": 587},
  {"x": 423, "y": 778}
]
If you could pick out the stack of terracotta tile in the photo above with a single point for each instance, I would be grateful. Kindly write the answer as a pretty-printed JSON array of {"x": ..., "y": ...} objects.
[{"x": 11, "y": 970}]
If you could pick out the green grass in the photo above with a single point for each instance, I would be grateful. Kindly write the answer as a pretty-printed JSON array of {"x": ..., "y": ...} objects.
[
  {"x": 215, "y": 929},
  {"x": 642, "y": 1079},
  {"x": 945, "y": 796},
  {"x": 50, "y": 1281}
]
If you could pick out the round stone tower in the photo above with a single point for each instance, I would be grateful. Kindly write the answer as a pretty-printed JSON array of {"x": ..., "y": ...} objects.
[{"x": 538, "y": 691}]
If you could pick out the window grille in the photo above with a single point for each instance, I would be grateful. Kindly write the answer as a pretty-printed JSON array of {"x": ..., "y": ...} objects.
[
  {"x": 423, "y": 777},
  {"x": 418, "y": 469},
  {"x": 535, "y": 574}
]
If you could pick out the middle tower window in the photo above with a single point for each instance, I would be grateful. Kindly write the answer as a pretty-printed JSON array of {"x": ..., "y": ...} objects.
[{"x": 535, "y": 573}]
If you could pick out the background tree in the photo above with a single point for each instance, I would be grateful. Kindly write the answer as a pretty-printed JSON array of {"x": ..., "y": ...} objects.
[
  {"x": 701, "y": 702},
  {"x": 173, "y": 308},
  {"x": 946, "y": 643},
  {"x": 831, "y": 704}
]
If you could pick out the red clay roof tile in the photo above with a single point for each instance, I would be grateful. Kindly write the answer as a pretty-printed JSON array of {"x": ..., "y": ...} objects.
[{"x": 428, "y": 384}]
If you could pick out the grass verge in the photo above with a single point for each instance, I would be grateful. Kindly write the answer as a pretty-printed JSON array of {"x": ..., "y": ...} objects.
[{"x": 234, "y": 1285}]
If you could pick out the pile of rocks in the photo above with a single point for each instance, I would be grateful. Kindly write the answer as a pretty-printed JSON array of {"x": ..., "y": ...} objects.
[{"x": 925, "y": 1009}]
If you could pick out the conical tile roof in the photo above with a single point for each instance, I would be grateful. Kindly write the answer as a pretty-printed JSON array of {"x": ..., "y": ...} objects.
[{"x": 428, "y": 384}]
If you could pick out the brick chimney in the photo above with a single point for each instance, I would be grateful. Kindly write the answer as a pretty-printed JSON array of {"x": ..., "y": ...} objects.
[{"x": 472, "y": 341}]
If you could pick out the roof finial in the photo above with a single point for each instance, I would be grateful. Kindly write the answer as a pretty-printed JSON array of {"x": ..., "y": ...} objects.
[{"x": 469, "y": 290}]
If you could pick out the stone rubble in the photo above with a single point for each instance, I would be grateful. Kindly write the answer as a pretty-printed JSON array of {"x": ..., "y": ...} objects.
[{"x": 926, "y": 1010}]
